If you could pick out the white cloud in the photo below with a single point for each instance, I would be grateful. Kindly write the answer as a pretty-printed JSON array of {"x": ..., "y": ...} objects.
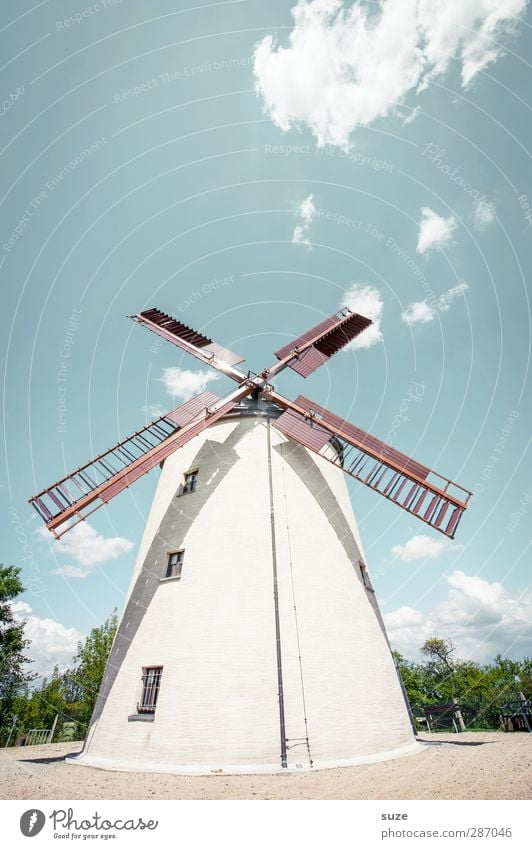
[
  {"x": 306, "y": 211},
  {"x": 444, "y": 301},
  {"x": 184, "y": 384},
  {"x": 348, "y": 64},
  {"x": 420, "y": 312},
  {"x": 367, "y": 301},
  {"x": 87, "y": 547},
  {"x": 411, "y": 117},
  {"x": 434, "y": 231},
  {"x": 484, "y": 213},
  {"x": 481, "y": 618},
  {"x": 423, "y": 547},
  {"x": 51, "y": 643}
]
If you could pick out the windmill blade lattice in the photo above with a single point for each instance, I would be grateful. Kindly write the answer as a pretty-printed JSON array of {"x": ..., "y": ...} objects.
[
  {"x": 366, "y": 458},
  {"x": 117, "y": 468}
]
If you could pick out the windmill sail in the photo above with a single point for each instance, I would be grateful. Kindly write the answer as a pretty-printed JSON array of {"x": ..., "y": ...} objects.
[
  {"x": 440, "y": 503},
  {"x": 309, "y": 351},
  {"x": 117, "y": 468},
  {"x": 191, "y": 341}
]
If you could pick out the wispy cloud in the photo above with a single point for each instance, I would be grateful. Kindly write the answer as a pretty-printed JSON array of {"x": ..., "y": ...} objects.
[
  {"x": 434, "y": 231},
  {"x": 367, "y": 301},
  {"x": 481, "y": 617},
  {"x": 411, "y": 117},
  {"x": 306, "y": 212},
  {"x": 184, "y": 384},
  {"x": 485, "y": 213},
  {"x": 348, "y": 64},
  {"x": 421, "y": 312}
]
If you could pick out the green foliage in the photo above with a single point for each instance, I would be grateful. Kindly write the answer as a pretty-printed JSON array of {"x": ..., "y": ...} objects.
[
  {"x": 14, "y": 678},
  {"x": 481, "y": 689},
  {"x": 70, "y": 694},
  {"x": 86, "y": 676}
]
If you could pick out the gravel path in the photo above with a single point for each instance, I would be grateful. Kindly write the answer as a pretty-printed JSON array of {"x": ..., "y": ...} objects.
[{"x": 480, "y": 765}]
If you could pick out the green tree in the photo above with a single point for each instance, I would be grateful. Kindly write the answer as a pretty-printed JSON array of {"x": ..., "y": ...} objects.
[
  {"x": 83, "y": 681},
  {"x": 14, "y": 677},
  {"x": 439, "y": 650}
]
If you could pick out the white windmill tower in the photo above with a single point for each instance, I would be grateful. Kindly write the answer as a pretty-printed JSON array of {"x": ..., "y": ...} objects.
[{"x": 251, "y": 639}]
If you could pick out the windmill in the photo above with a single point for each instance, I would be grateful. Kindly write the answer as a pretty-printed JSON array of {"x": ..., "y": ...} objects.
[{"x": 251, "y": 639}]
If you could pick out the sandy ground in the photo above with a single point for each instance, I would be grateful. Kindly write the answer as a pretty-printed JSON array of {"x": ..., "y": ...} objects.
[{"x": 466, "y": 766}]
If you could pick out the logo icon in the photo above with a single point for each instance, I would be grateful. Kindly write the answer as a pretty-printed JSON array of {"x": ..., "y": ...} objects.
[{"x": 32, "y": 822}]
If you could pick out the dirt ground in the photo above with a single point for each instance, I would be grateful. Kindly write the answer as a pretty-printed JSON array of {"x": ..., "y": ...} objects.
[{"x": 465, "y": 766}]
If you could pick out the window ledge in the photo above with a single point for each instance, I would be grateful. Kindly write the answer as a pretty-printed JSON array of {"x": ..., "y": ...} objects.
[
  {"x": 171, "y": 578},
  {"x": 141, "y": 717}
]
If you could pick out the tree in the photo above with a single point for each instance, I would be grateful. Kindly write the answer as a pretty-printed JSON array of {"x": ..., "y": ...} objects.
[
  {"x": 439, "y": 650},
  {"x": 82, "y": 682},
  {"x": 14, "y": 676}
]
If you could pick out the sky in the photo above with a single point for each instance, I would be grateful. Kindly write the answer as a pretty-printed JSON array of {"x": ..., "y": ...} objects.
[{"x": 252, "y": 167}]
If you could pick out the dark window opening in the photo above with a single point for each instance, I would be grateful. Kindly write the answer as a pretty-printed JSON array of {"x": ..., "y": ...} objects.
[
  {"x": 191, "y": 479},
  {"x": 365, "y": 577},
  {"x": 175, "y": 564},
  {"x": 151, "y": 682}
]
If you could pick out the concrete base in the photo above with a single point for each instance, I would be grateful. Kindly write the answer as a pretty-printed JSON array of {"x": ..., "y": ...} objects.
[{"x": 241, "y": 769}]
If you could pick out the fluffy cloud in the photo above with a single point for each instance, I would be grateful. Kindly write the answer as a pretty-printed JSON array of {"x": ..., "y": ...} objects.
[
  {"x": 484, "y": 213},
  {"x": 434, "y": 231},
  {"x": 87, "y": 547},
  {"x": 421, "y": 312},
  {"x": 51, "y": 643},
  {"x": 184, "y": 384},
  {"x": 367, "y": 301},
  {"x": 423, "y": 547},
  {"x": 481, "y": 617},
  {"x": 418, "y": 313},
  {"x": 348, "y": 64},
  {"x": 306, "y": 212}
]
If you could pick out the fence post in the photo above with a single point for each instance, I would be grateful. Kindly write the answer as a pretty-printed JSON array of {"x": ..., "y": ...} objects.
[
  {"x": 459, "y": 717},
  {"x": 52, "y": 729}
]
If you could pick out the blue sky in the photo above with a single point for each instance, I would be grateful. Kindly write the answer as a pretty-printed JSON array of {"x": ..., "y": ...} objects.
[{"x": 251, "y": 167}]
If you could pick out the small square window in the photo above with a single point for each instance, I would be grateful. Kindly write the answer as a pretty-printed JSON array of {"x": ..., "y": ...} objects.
[
  {"x": 175, "y": 564},
  {"x": 191, "y": 479},
  {"x": 151, "y": 682}
]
